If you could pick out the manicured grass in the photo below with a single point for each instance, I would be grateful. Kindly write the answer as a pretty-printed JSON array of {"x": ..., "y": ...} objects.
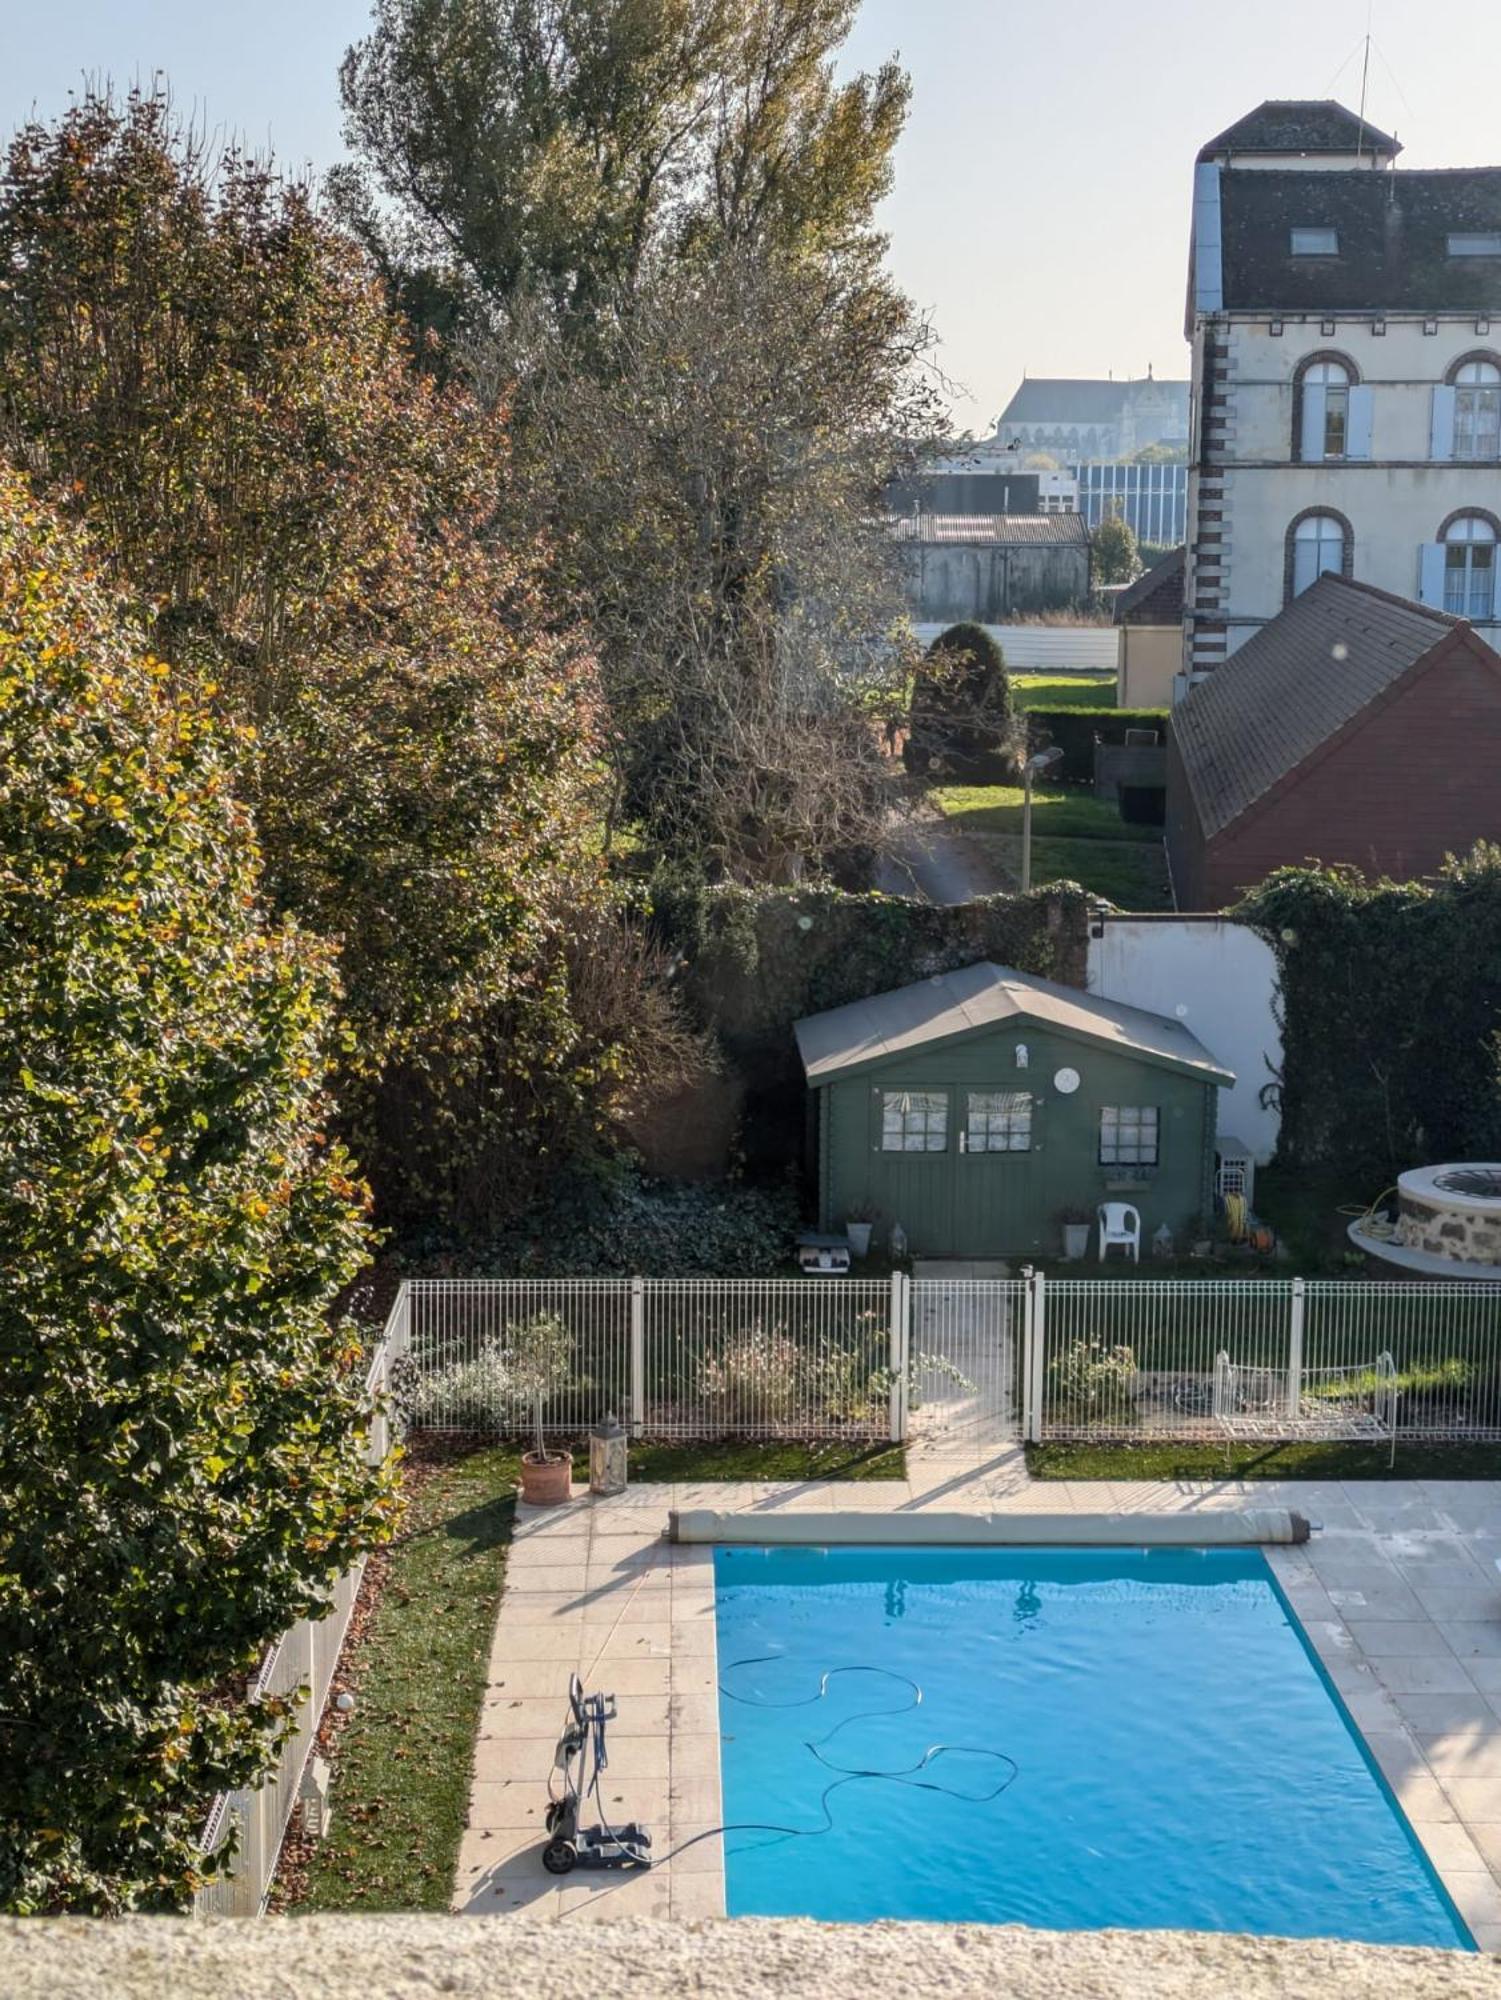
[
  {"x": 402, "y": 1765},
  {"x": 1059, "y": 812},
  {"x": 1075, "y": 838},
  {"x": 1263, "y": 1461},
  {"x": 767, "y": 1461},
  {"x": 1082, "y": 691}
]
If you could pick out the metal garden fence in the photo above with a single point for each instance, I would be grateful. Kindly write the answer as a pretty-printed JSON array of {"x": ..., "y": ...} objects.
[
  {"x": 674, "y": 1357},
  {"x": 1283, "y": 1360}
]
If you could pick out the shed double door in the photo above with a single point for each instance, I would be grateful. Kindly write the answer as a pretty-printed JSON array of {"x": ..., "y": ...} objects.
[{"x": 999, "y": 1206}]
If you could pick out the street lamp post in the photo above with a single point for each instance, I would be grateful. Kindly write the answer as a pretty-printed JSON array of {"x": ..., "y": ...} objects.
[{"x": 1041, "y": 762}]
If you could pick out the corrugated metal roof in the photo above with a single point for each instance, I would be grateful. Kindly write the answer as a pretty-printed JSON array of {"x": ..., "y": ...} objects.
[
  {"x": 1290, "y": 687},
  {"x": 1299, "y": 125},
  {"x": 987, "y": 996},
  {"x": 1068, "y": 528}
]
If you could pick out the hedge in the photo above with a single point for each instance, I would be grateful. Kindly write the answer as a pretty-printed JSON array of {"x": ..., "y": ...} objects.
[
  {"x": 1074, "y": 730},
  {"x": 1391, "y": 1005},
  {"x": 756, "y": 961}
]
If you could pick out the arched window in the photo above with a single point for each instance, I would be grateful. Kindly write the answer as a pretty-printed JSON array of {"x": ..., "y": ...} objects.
[
  {"x": 1320, "y": 546},
  {"x": 1324, "y": 409},
  {"x": 1470, "y": 567},
  {"x": 1477, "y": 410}
]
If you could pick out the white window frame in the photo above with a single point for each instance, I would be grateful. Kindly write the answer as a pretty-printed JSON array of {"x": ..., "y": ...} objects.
[
  {"x": 1144, "y": 1149},
  {"x": 998, "y": 1121},
  {"x": 1463, "y": 596},
  {"x": 1477, "y": 412},
  {"x": 1310, "y": 242},
  {"x": 914, "y": 1121},
  {"x": 1326, "y": 395},
  {"x": 1314, "y": 536}
]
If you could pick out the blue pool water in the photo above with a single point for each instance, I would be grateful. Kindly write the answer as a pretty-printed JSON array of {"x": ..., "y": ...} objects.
[{"x": 1128, "y": 1737}]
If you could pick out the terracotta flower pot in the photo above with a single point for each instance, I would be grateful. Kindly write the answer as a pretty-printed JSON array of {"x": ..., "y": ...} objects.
[{"x": 546, "y": 1477}]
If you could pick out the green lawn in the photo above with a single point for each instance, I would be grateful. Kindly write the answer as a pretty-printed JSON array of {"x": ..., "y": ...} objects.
[
  {"x": 402, "y": 1764},
  {"x": 1168, "y": 1460},
  {"x": 1081, "y": 691},
  {"x": 1075, "y": 838}
]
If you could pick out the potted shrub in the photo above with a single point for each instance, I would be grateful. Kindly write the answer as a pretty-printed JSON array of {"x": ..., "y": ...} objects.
[
  {"x": 538, "y": 1365},
  {"x": 857, "y": 1227},
  {"x": 1076, "y": 1224}
]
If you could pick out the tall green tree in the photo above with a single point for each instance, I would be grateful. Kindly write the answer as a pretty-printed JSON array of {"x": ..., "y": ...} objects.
[
  {"x": 200, "y": 366},
  {"x": 661, "y": 216},
  {"x": 183, "y": 1432},
  {"x": 1113, "y": 553},
  {"x": 549, "y": 151}
]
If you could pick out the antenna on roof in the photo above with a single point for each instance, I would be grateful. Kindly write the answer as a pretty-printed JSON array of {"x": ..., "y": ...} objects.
[{"x": 1365, "y": 74}]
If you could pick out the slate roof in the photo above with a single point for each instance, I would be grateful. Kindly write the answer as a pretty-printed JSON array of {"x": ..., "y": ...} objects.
[
  {"x": 1299, "y": 125},
  {"x": 1075, "y": 400},
  {"x": 1393, "y": 240},
  {"x": 1334, "y": 650},
  {"x": 1156, "y": 597},
  {"x": 982, "y": 996},
  {"x": 1065, "y": 528}
]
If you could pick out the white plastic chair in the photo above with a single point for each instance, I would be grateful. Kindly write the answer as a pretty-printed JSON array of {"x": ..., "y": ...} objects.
[{"x": 1119, "y": 1223}]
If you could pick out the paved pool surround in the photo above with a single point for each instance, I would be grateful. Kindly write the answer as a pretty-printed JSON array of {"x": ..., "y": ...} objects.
[{"x": 1397, "y": 1591}]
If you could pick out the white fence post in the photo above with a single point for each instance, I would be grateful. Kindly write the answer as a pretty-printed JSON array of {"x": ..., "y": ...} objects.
[
  {"x": 900, "y": 1353},
  {"x": 638, "y": 1356},
  {"x": 1037, "y": 1340},
  {"x": 1295, "y": 1350}
]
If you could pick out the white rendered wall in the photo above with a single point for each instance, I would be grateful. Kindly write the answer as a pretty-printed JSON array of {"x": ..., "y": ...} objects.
[{"x": 1218, "y": 978}]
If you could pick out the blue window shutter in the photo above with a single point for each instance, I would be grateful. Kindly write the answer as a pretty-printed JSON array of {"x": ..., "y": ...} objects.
[
  {"x": 1432, "y": 557},
  {"x": 1315, "y": 412},
  {"x": 1360, "y": 422},
  {"x": 1441, "y": 433},
  {"x": 1209, "y": 285}
]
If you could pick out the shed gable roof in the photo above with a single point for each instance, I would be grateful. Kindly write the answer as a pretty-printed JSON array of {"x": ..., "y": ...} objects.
[
  {"x": 980, "y": 997},
  {"x": 1334, "y": 650}
]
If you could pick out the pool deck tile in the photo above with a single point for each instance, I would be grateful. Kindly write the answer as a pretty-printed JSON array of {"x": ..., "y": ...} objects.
[{"x": 1397, "y": 1593}]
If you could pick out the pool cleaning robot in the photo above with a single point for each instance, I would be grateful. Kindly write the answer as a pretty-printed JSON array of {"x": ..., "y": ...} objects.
[{"x": 577, "y": 1764}]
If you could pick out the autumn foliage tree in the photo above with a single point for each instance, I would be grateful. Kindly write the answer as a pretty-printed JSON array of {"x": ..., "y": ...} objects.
[
  {"x": 200, "y": 366},
  {"x": 183, "y": 1439}
]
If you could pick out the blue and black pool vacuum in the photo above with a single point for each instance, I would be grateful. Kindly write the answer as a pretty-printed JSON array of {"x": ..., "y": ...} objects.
[{"x": 580, "y": 1758}]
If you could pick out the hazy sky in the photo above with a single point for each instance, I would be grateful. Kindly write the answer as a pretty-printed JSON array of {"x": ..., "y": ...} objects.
[{"x": 1041, "y": 200}]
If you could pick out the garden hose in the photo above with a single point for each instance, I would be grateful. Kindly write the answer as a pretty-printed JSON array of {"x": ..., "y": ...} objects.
[
  {"x": 1235, "y": 1217},
  {"x": 908, "y": 1775},
  {"x": 1381, "y": 1231}
]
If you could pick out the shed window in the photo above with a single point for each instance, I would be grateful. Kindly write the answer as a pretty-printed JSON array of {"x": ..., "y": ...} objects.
[
  {"x": 914, "y": 1121},
  {"x": 1128, "y": 1135},
  {"x": 1315, "y": 243},
  {"x": 1475, "y": 243},
  {"x": 999, "y": 1121}
]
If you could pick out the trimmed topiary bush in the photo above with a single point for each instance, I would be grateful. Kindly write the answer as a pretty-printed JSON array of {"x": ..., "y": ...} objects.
[{"x": 960, "y": 724}]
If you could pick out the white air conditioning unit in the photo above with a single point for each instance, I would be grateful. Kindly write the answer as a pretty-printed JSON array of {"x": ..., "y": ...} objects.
[{"x": 1234, "y": 1170}]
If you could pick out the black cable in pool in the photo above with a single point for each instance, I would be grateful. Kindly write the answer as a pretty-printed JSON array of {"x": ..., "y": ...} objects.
[{"x": 906, "y": 1775}]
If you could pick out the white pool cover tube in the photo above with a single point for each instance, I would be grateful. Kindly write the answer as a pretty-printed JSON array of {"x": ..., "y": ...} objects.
[{"x": 928, "y": 1528}]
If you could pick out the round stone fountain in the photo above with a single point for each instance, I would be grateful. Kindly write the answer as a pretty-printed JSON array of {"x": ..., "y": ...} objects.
[{"x": 1448, "y": 1223}]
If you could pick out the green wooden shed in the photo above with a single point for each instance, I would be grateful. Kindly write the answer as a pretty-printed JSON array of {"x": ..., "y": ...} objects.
[{"x": 976, "y": 1106}]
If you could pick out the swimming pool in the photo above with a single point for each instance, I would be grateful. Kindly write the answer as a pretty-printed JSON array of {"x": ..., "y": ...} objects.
[{"x": 1084, "y": 1738}]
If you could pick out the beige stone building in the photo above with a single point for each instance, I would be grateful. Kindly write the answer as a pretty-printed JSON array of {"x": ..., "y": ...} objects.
[{"x": 1345, "y": 318}]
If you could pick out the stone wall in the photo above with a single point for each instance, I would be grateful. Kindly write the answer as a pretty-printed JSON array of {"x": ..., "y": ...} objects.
[{"x": 1468, "y": 1235}]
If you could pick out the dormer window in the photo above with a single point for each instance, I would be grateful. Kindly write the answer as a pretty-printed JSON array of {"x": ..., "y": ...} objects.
[
  {"x": 1475, "y": 243},
  {"x": 1315, "y": 243}
]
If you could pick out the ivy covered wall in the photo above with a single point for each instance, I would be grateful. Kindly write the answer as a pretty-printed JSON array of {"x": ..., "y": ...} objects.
[
  {"x": 756, "y": 961},
  {"x": 1391, "y": 999}
]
